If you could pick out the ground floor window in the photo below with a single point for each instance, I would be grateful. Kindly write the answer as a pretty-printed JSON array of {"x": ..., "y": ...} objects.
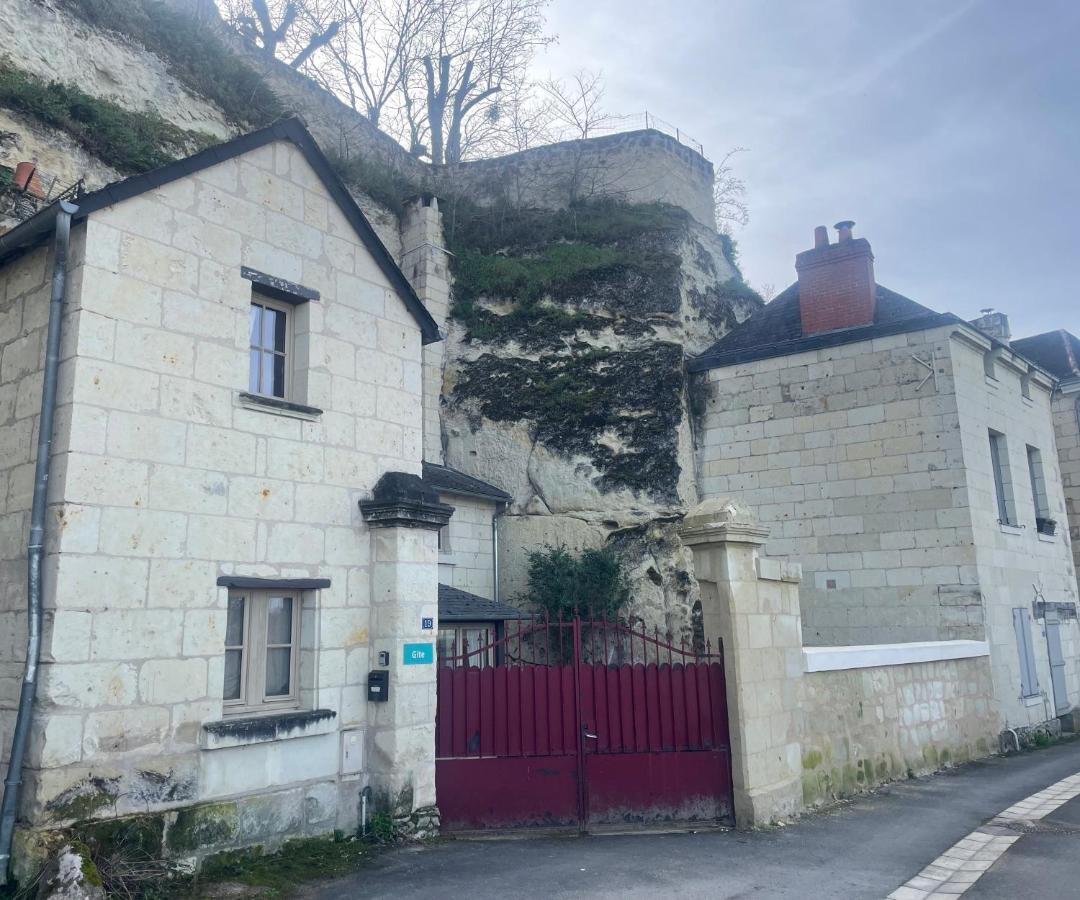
[
  {"x": 261, "y": 650},
  {"x": 473, "y": 638}
]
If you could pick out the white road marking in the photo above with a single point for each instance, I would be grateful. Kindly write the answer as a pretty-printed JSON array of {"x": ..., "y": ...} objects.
[{"x": 959, "y": 867}]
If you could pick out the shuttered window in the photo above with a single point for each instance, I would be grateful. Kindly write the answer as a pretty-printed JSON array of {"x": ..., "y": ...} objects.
[{"x": 1029, "y": 677}]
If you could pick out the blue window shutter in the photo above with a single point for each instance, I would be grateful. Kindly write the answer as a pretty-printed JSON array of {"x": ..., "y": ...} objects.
[{"x": 1029, "y": 677}]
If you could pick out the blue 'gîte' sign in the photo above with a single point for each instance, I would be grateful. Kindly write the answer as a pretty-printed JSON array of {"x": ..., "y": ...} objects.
[{"x": 419, "y": 654}]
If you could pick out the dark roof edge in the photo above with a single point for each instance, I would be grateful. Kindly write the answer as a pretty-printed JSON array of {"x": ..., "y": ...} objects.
[
  {"x": 476, "y": 487},
  {"x": 291, "y": 129},
  {"x": 821, "y": 341}
]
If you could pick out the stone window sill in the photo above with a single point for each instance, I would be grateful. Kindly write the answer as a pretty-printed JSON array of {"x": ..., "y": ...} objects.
[
  {"x": 277, "y": 407},
  {"x": 244, "y": 730},
  {"x": 1046, "y": 538},
  {"x": 1033, "y": 700},
  {"x": 1010, "y": 529}
]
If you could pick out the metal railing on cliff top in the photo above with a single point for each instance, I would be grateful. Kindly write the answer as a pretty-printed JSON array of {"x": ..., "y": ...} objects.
[{"x": 646, "y": 120}]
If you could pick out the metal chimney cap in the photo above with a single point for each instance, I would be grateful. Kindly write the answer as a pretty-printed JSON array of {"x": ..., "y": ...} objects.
[{"x": 847, "y": 223}]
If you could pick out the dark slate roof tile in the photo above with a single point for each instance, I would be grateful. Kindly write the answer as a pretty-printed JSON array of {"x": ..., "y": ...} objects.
[
  {"x": 443, "y": 478},
  {"x": 1056, "y": 351},
  {"x": 456, "y": 605}
]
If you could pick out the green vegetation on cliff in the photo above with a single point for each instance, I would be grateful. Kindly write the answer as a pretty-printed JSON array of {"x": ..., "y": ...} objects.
[
  {"x": 131, "y": 142},
  {"x": 619, "y": 408},
  {"x": 590, "y": 266},
  {"x": 551, "y": 282},
  {"x": 191, "y": 51}
]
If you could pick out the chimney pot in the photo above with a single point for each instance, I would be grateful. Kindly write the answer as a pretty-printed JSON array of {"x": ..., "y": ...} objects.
[
  {"x": 821, "y": 236},
  {"x": 845, "y": 229}
]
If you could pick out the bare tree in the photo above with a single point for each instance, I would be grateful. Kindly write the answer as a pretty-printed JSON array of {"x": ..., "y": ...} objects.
[
  {"x": 473, "y": 51},
  {"x": 437, "y": 74},
  {"x": 729, "y": 194},
  {"x": 255, "y": 21},
  {"x": 575, "y": 103}
]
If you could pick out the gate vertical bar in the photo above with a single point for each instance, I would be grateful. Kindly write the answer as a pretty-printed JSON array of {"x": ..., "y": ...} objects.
[{"x": 583, "y": 791}]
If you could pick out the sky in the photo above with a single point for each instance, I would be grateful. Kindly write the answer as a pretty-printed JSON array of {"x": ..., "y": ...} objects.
[{"x": 949, "y": 131}]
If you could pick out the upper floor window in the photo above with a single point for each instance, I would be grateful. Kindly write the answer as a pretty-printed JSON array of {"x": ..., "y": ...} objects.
[
  {"x": 261, "y": 651},
  {"x": 999, "y": 462},
  {"x": 270, "y": 328},
  {"x": 1043, "y": 523}
]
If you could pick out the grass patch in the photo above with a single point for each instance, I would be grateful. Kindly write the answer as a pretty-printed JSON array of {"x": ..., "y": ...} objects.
[
  {"x": 132, "y": 142},
  {"x": 551, "y": 266},
  {"x": 382, "y": 183},
  {"x": 192, "y": 53},
  {"x": 277, "y": 874}
]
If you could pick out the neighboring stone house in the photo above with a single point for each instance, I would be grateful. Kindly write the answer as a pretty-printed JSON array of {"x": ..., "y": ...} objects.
[
  {"x": 470, "y": 612},
  {"x": 237, "y": 530},
  {"x": 907, "y": 460},
  {"x": 1059, "y": 352}
]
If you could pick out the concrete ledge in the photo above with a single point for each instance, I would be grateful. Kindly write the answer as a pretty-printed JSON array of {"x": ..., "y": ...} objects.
[{"x": 866, "y": 656}]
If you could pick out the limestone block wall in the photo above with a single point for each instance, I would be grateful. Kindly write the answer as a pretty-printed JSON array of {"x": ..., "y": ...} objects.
[
  {"x": 468, "y": 561},
  {"x": 1015, "y": 566},
  {"x": 165, "y": 479},
  {"x": 637, "y": 166},
  {"x": 852, "y": 457},
  {"x": 1066, "y": 412},
  {"x": 866, "y": 726},
  {"x": 24, "y": 310}
]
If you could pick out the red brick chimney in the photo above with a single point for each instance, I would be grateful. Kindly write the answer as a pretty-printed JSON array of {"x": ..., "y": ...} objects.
[{"x": 836, "y": 281}]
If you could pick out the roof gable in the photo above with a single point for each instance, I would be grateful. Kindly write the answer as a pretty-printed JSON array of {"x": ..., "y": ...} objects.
[{"x": 38, "y": 227}]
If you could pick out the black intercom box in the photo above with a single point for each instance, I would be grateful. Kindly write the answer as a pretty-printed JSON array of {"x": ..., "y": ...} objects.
[{"x": 378, "y": 685}]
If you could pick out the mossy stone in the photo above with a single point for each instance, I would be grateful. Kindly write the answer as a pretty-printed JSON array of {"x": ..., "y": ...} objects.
[{"x": 208, "y": 825}]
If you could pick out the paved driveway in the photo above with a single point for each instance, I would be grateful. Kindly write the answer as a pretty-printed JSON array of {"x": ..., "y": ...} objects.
[{"x": 864, "y": 849}]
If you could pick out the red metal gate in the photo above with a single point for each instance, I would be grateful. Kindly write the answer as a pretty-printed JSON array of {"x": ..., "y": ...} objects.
[{"x": 581, "y": 723}]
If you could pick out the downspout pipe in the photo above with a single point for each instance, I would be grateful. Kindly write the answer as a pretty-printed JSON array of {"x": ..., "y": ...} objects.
[{"x": 35, "y": 549}]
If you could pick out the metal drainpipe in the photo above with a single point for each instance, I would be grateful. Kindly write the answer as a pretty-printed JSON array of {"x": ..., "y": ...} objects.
[
  {"x": 35, "y": 549},
  {"x": 500, "y": 508}
]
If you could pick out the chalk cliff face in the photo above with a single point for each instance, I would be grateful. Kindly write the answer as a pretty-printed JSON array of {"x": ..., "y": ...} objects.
[{"x": 565, "y": 381}]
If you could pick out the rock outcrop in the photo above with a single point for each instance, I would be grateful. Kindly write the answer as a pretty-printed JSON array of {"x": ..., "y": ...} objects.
[{"x": 565, "y": 381}]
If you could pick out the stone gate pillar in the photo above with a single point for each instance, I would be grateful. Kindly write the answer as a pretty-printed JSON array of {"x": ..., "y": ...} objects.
[
  {"x": 752, "y": 604},
  {"x": 404, "y": 516}
]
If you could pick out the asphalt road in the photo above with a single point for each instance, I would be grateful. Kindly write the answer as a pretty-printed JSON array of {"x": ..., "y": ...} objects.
[{"x": 862, "y": 849}]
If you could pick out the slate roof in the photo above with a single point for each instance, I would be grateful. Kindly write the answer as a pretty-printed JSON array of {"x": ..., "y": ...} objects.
[
  {"x": 38, "y": 228},
  {"x": 456, "y": 605},
  {"x": 443, "y": 478},
  {"x": 1056, "y": 351},
  {"x": 776, "y": 330}
]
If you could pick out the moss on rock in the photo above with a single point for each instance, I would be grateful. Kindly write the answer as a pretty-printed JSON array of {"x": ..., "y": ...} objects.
[
  {"x": 199, "y": 827},
  {"x": 619, "y": 408}
]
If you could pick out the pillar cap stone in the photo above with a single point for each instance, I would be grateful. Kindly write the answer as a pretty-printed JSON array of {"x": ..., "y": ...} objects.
[
  {"x": 402, "y": 500},
  {"x": 722, "y": 519}
]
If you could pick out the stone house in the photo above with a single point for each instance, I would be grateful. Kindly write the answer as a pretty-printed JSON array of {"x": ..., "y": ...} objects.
[
  {"x": 470, "y": 612},
  {"x": 237, "y": 530},
  {"x": 1059, "y": 353},
  {"x": 908, "y": 461}
]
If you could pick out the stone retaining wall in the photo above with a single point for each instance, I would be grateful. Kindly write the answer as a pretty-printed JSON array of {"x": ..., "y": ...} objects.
[{"x": 864, "y": 727}]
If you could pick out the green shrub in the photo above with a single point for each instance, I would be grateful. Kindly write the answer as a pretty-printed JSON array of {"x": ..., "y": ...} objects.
[
  {"x": 381, "y": 829},
  {"x": 191, "y": 52},
  {"x": 132, "y": 142},
  {"x": 593, "y": 583}
]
